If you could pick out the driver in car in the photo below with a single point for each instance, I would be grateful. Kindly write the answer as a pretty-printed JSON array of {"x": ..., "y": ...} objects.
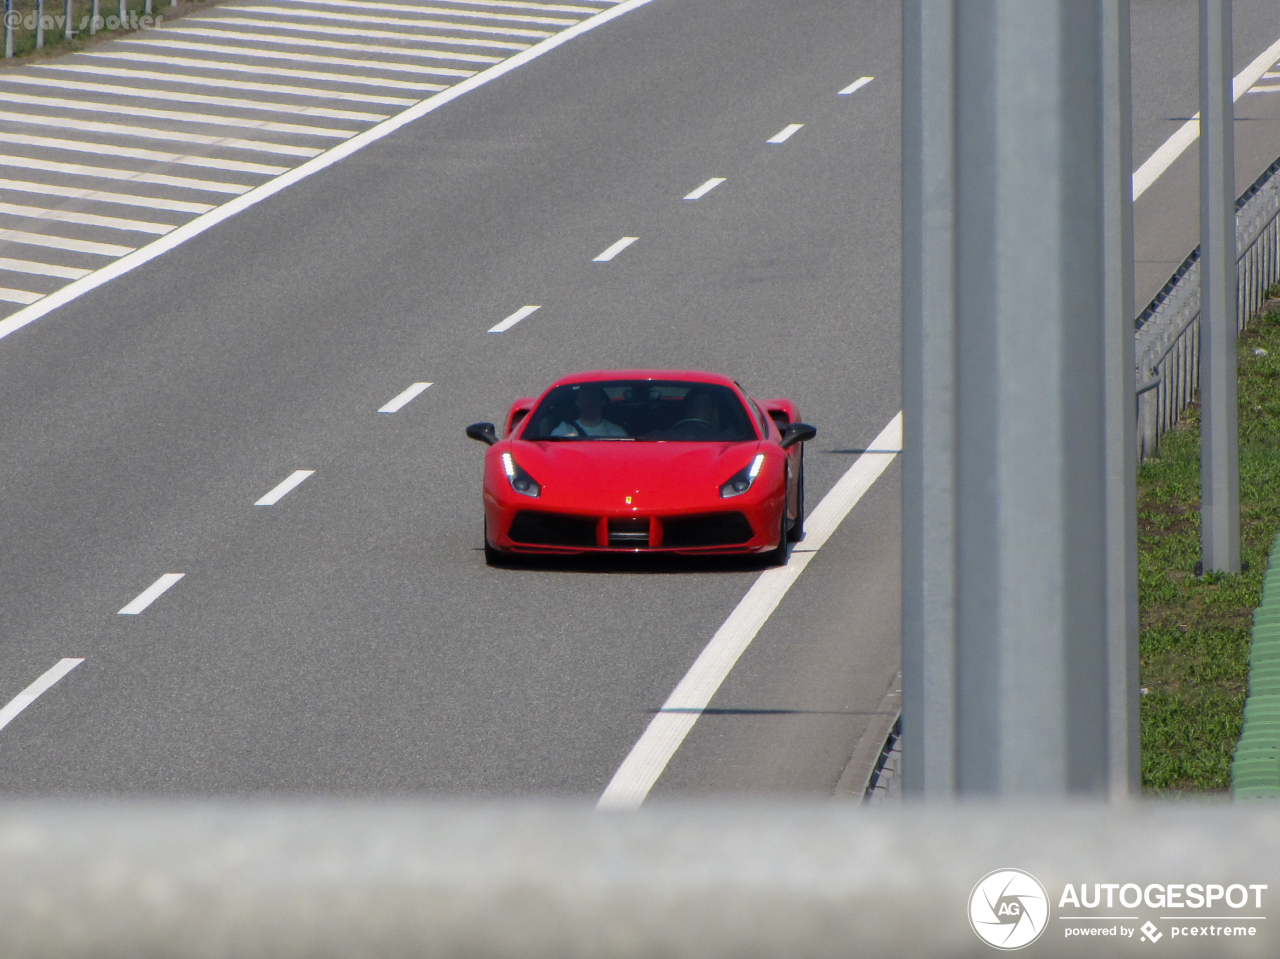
[{"x": 591, "y": 401}]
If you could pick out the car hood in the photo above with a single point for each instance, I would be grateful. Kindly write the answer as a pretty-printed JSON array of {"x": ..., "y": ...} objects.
[{"x": 658, "y": 475}]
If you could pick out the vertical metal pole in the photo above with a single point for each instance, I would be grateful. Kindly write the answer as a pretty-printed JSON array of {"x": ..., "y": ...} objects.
[
  {"x": 39, "y": 24},
  {"x": 124, "y": 15},
  {"x": 1027, "y": 400},
  {"x": 1219, "y": 437},
  {"x": 95, "y": 19},
  {"x": 8, "y": 29},
  {"x": 1125, "y": 769},
  {"x": 929, "y": 359},
  {"x": 67, "y": 11}
]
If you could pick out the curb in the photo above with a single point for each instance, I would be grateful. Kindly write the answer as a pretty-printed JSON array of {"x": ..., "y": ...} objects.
[
  {"x": 1255, "y": 768},
  {"x": 868, "y": 754}
]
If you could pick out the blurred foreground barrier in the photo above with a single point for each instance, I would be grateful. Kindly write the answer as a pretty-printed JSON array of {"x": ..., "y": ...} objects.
[{"x": 536, "y": 880}]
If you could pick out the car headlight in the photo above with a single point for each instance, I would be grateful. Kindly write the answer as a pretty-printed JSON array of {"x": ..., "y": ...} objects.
[
  {"x": 741, "y": 481},
  {"x": 520, "y": 481}
]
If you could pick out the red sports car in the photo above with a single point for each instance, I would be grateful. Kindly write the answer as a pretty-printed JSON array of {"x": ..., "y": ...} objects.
[{"x": 644, "y": 461}]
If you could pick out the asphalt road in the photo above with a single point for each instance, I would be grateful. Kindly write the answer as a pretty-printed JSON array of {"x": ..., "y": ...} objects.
[{"x": 350, "y": 638}]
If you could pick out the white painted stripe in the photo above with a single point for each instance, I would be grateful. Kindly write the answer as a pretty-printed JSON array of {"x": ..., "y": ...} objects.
[
  {"x": 86, "y": 219},
  {"x": 403, "y": 398},
  {"x": 706, "y": 188},
  {"x": 785, "y": 134},
  {"x": 667, "y": 730},
  {"x": 95, "y": 69},
  {"x": 229, "y": 209},
  {"x": 41, "y": 269},
  {"x": 298, "y": 57},
  {"x": 62, "y": 243},
  {"x": 178, "y": 96},
  {"x": 107, "y": 173},
  {"x": 37, "y": 689},
  {"x": 514, "y": 318},
  {"x": 381, "y": 21},
  {"x": 428, "y": 24},
  {"x": 136, "y": 153},
  {"x": 266, "y": 36},
  {"x": 151, "y": 594},
  {"x": 118, "y": 129},
  {"x": 260, "y": 22},
  {"x": 1261, "y": 89},
  {"x": 97, "y": 196},
  {"x": 182, "y": 116},
  {"x": 1189, "y": 132},
  {"x": 615, "y": 249},
  {"x": 283, "y": 488},
  {"x": 855, "y": 86},
  {"x": 18, "y": 296},
  {"x": 470, "y": 14},
  {"x": 514, "y": 5}
]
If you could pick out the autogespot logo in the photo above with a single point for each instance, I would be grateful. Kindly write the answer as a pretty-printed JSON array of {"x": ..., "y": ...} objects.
[{"x": 1008, "y": 909}]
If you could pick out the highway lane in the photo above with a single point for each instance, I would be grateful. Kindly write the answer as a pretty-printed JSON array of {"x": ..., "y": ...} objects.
[{"x": 349, "y": 638}]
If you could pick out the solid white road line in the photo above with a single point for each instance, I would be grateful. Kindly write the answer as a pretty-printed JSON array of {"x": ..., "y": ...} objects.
[
  {"x": 855, "y": 86},
  {"x": 148, "y": 133},
  {"x": 63, "y": 243},
  {"x": 1189, "y": 132},
  {"x": 285, "y": 40},
  {"x": 615, "y": 249},
  {"x": 107, "y": 173},
  {"x": 219, "y": 66},
  {"x": 41, "y": 269},
  {"x": 87, "y": 219},
  {"x": 293, "y": 480},
  {"x": 706, "y": 188},
  {"x": 19, "y": 296},
  {"x": 97, "y": 196},
  {"x": 299, "y": 57},
  {"x": 260, "y": 22},
  {"x": 36, "y": 689},
  {"x": 381, "y": 21},
  {"x": 402, "y": 399},
  {"x": 151, "y": 594},
  {"x": 785, "y": 134},
  {"x": 514, "y": 318},
  {"x": 668, "y": 729},
  {"x": 178, "y": 96},
  {"x": 136, "y": 153},
  {"x": 182, "y": 116},
  {"x": 206, "y": 221}
]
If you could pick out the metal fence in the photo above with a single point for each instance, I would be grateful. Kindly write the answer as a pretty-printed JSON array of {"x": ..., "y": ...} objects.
[{"x": 1168, "y": 334}]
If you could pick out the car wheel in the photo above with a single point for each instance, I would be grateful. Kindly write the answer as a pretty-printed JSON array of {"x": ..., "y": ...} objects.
[
  {"x": 778, "y": 557},
  {"x": 492, "y": 556},
  {"x": 796, "y": 532}
]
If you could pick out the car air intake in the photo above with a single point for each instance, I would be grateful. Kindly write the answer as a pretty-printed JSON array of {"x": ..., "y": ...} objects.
[
  {"x": 711, "y": 529},
  {"x": 552, "y": 529},
  {"x": 629, "y": 532}
]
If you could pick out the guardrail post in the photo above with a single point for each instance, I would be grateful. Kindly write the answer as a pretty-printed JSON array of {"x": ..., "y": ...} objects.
[
  {"x": 1219, "y": 437},
  {"x": 1121, "y": 404},
  {"x": 1011, "y": 376}
]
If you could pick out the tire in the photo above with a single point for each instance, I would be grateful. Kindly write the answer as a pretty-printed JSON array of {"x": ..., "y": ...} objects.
[
  {"x": 492, "y": 556},
  {"x": 778, "y": 557},
  {"x": 796, "y": 533}
]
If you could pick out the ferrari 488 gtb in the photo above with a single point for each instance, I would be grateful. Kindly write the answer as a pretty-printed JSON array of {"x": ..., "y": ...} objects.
[{"x": 644, "y": 461}]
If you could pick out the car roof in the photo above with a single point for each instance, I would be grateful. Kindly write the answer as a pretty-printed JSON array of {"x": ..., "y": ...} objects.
[{"x": 694, "y": 376}]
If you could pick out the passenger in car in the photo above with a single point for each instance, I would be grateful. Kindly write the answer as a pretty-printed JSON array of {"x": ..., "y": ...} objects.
[{"x": 590, "y": 401}]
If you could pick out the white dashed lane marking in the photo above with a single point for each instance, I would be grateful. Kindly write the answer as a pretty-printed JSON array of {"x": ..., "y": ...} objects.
[
  {"x": 706, "y": 188},
  {"x": 785, "y": 134},
  {"x": 151, "y": 594},
  {"x": 514, "y": 318},
  {"x": 402, "y": 399},
  {"x": 283, "y": 488},
  {"x": 615, "y": 249},
  {"x": 37, "y": 689}
]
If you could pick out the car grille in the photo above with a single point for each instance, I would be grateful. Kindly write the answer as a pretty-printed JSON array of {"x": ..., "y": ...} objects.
[
  {"x": 552, "y": 529},
  {"x": 628, "y": 531},
  {"x": 712, "y": 529}
]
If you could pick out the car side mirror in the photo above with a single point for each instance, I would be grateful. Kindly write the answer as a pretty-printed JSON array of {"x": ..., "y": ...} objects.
[
  {"x": 797, "y": 433},
  {"x": 484, "y": 432}
]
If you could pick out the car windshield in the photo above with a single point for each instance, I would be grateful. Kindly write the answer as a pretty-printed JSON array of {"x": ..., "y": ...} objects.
[{"x": 655, "y": 410}]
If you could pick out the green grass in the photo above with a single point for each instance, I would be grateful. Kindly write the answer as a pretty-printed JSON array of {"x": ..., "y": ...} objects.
[
  {"x": 55, "y": 42},
  {"x": 1195, "y": 632}
]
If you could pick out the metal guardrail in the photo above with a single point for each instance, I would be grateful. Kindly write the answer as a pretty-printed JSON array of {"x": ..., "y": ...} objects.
[
  {"x": 1168, "y": 330},
  {"x": 534, "y": 880}
]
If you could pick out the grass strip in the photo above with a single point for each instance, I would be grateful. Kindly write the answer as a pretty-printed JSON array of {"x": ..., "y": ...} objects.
[{"x": 1195, "y": 631}]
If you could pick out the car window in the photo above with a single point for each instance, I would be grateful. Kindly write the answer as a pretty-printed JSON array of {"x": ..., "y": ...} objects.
[{"x": 652, "y": 410}]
